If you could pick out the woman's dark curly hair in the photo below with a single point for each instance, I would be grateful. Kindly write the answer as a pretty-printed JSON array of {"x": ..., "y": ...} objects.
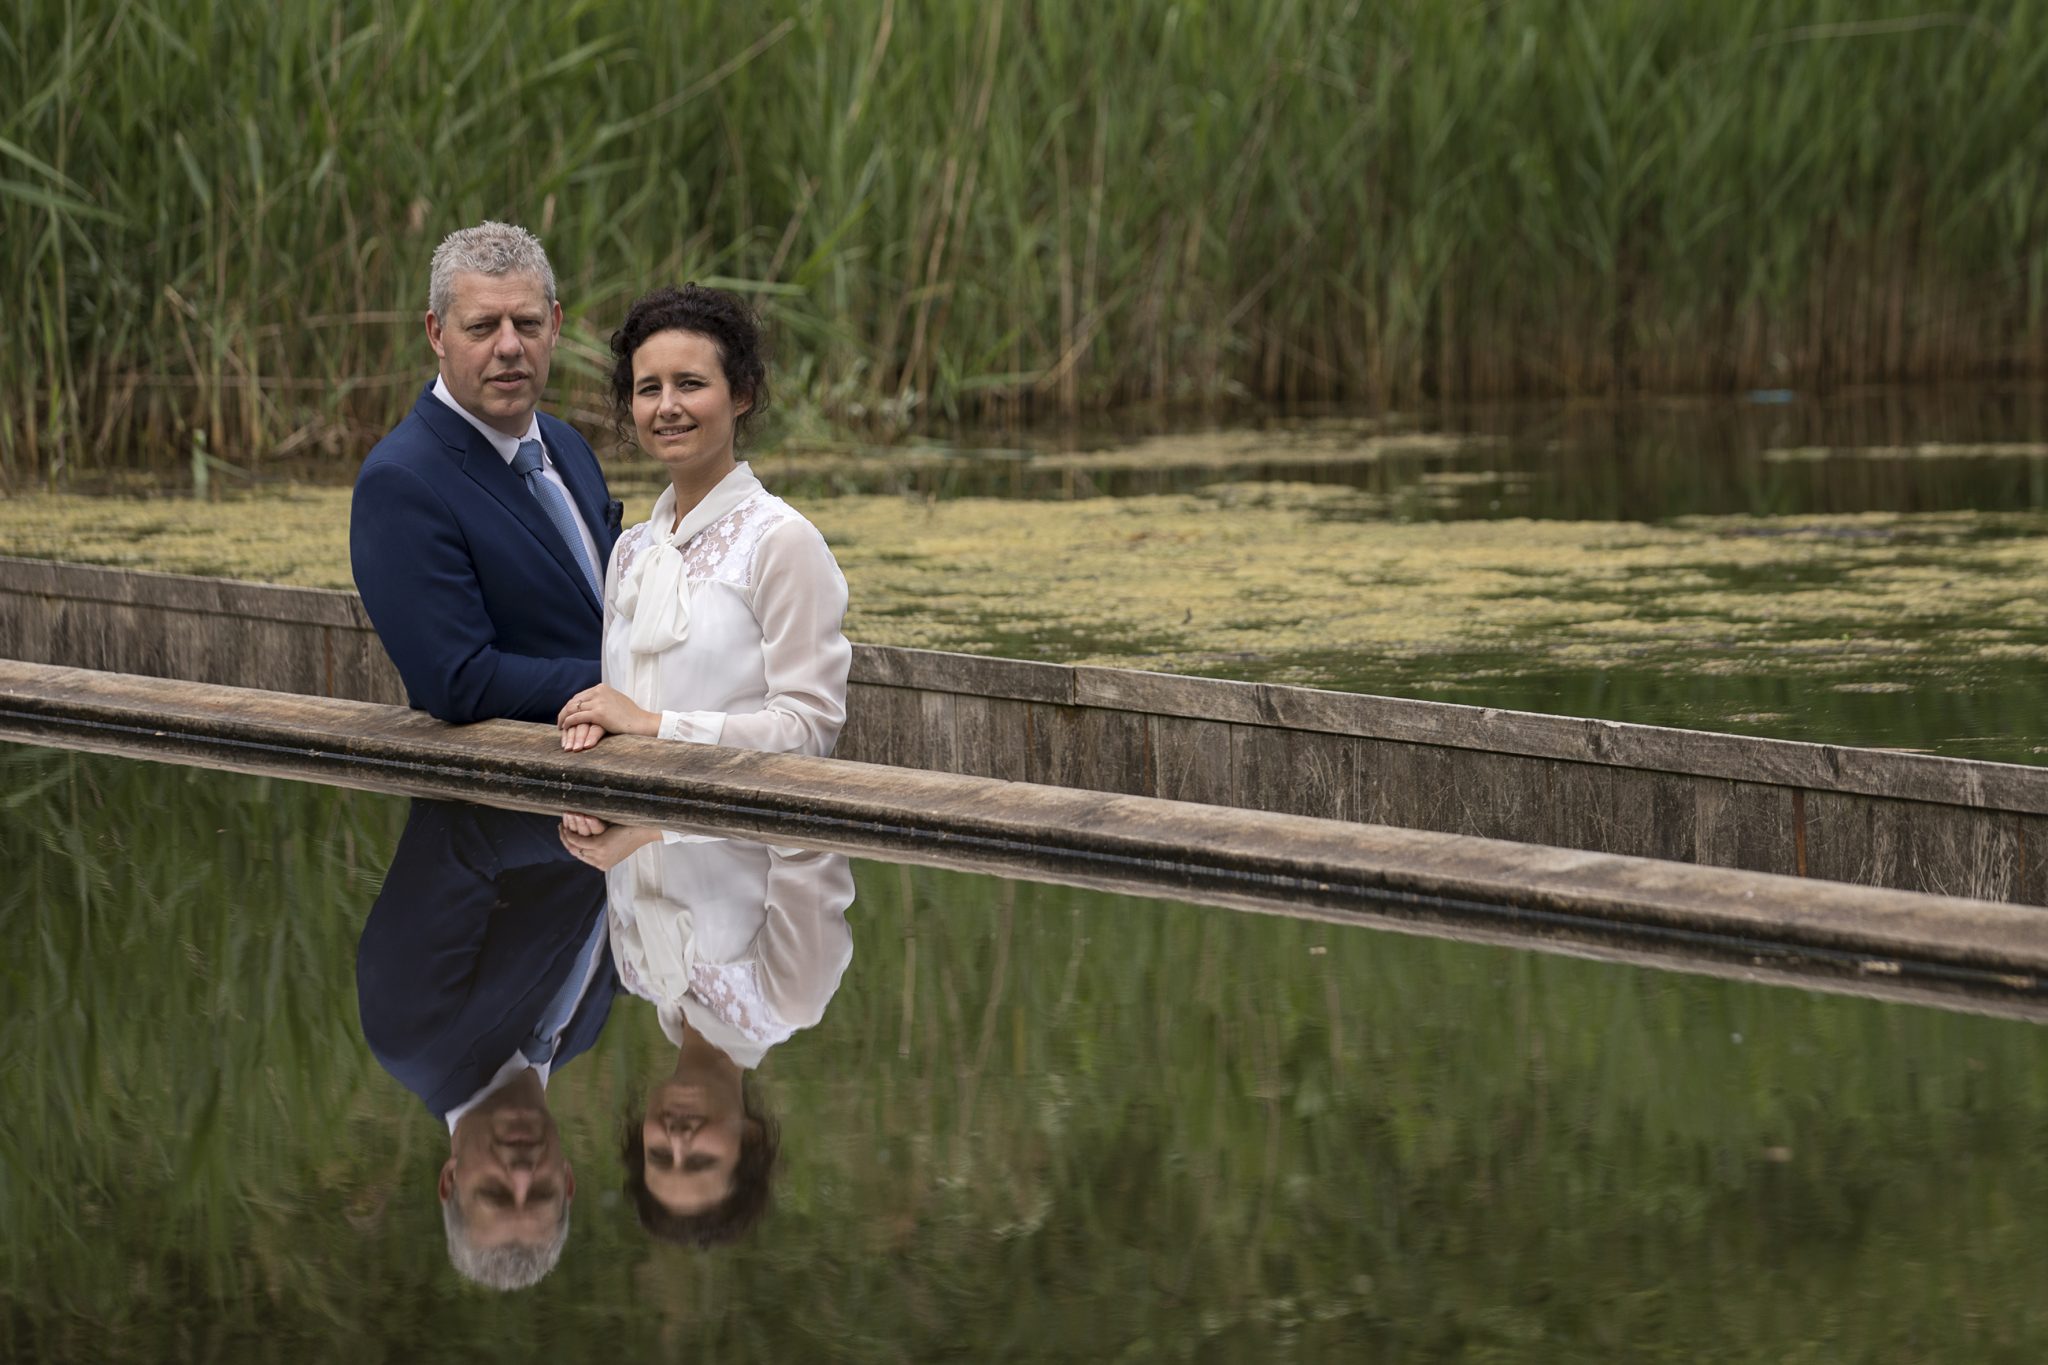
[
  {"x": 718, "y": 314},
  {"x": 731, "y": 1217}
]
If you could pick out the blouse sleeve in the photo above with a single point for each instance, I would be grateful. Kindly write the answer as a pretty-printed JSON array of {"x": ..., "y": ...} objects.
[
  {"x": 799, "y": 598},
  {"x": 804, "y": 945}
]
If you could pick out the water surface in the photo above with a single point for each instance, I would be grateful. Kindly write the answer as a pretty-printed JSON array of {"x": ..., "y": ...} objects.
[{"x": 1032, "y": 1123}]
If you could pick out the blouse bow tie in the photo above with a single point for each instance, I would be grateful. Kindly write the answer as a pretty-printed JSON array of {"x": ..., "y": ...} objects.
[{"x": 655, "y": 593}]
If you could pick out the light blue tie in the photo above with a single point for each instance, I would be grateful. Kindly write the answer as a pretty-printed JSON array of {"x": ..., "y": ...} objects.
[
  {"x": 539, "y": 1046},
  {"x": 526, "y": 464}
]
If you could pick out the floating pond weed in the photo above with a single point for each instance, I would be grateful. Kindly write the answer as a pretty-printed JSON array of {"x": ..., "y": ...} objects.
[{"x": 1244, "y": 573}]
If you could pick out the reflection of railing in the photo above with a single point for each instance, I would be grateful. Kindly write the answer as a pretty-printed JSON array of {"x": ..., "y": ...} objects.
[{"x": 1911, "y": 821}]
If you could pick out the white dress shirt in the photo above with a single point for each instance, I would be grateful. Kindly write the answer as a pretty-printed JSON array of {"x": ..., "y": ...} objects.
[{"x": 508, "y": 447}]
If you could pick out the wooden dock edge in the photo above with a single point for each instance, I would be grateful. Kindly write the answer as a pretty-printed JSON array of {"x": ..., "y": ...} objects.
[
  {"x": 1866, "y": 941},
  {"x": 1876, "y": 817}
]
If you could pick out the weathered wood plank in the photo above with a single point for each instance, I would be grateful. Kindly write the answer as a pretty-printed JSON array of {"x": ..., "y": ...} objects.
[
  {"x": 1113, "y": 751},
  {"x": 936, "y": 671},
  {"x": 2030, "y": 854},
  {"x": 188, "y": 593},
  {"x": 1169, "y": 694},
  {"x": 1293, "y": 773},
  {"x": 1851, "y": 838},
  {"x": 989, "y": 738},
  {"x": 881, "y": 725},
  {"x": 1745, "y": 825},
  {"x": 1959, "y": 852},
  {"x": 935, "y": 745},
  {"x": 358, "y": 668},
  {"x": 1619, "y": 810},
  {"x": 1191, "y": 760},
  {"x": 1051, "y": 744},
  {"x": 1409, "y": 785},
  {"x": 1420, "y": 786}
]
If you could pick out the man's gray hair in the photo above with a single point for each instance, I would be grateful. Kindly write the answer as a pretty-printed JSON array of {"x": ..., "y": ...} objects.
[
  {"x": 487, "y": 249},
  {"x": 515, "y": 1265}
]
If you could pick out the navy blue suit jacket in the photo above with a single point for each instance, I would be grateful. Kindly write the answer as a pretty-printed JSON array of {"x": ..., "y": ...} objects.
[
  {"x": 470, "y": 587},
  {"x": 480, "y": 921}
]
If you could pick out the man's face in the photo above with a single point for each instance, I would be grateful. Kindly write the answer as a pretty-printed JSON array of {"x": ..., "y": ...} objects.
[
  {"x": 495, "y": 346},
  {"x": 509, "y": 1176}
]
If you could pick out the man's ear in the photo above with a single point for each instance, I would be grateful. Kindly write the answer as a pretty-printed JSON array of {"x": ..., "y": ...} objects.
[
  {"x": 434, "y": 333},
  {"x": 568, "y": 1182},
  {"x": 447, "y": 1183}
]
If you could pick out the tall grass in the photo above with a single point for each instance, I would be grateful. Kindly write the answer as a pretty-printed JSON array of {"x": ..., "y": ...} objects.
[
  {"x": 218, "y": 212},
  {"x": 1035, "y": 1123}
]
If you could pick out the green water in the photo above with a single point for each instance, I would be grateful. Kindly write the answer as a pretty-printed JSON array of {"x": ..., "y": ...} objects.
[
  {"x": 1033, "y": 1124},
  {"x": 1978, "y": 454}
]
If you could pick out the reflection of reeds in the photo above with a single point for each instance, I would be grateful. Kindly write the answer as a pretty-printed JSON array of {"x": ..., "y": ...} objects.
[
  {"x": 218, "y": 215},
  {"x": 1116, "y": 1122}
]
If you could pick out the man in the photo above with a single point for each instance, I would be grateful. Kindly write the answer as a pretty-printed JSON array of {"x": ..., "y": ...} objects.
[
  {"x": 481, "y": 527},
  {"x": 484, "y": 967}
]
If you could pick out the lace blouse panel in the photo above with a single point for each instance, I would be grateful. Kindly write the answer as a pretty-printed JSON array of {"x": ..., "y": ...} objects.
[
  {"x": 732, "y": 990},
  {"x": 628, "y": 547},
  {"x": 725, "y": 549}
]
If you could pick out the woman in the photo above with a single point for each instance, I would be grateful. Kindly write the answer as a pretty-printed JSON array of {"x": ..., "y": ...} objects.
[
  {"x": 738, "y": 946},
  {"x": 722, "y": 611}
]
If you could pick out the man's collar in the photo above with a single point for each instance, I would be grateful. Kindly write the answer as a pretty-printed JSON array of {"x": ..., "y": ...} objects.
[
  {"x": 513, "y": 1068},
  {"x": 506, "y": 446}
]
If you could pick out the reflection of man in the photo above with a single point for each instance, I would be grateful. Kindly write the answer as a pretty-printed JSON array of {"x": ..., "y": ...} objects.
[
  {"x": 484, "y": 966},
  {"x": 481, "y": 527}
]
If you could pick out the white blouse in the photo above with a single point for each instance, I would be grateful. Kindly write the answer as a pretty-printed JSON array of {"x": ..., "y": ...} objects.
[
  {"x": 744, "y": 942},
  {"x": 730, "y": 625}
]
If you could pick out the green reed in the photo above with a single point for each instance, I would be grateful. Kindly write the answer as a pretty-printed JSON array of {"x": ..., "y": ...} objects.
[
  {"x": 218, "y": 212},
  {"x": 1035, "y": 1123}
]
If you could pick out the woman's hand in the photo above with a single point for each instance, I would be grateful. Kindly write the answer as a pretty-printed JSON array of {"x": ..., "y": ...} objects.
[
  {"x": 603, "y": 846},
  {"x": 598, "y": 711}
]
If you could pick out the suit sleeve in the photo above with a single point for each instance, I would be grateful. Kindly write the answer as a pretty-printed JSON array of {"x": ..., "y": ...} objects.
[
  {"x": 416, "y": 962},
  {"x": 418, "y": 582}
]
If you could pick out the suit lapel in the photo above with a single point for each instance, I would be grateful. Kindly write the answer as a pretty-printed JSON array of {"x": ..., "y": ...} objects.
[{"x": 490, "y": 472}]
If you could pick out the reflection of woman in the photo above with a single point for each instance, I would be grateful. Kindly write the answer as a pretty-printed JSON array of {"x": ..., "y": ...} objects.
[
  {"x": 722, "y": 612},
  {"x": 738, "y": 946}
]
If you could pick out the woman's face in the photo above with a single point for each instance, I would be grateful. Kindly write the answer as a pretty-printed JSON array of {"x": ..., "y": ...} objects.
[
  {"x": 683, "y": 409},
  {"x": 692, "y": 1142}
]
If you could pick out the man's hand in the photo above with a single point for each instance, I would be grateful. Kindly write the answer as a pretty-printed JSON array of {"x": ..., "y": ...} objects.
[
  {"x": 598, "y": 711},
  {"x": 603, "y": 846}
]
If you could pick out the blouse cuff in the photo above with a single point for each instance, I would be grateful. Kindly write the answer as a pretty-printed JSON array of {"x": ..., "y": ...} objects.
[{"x": 695, "y": 727}]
